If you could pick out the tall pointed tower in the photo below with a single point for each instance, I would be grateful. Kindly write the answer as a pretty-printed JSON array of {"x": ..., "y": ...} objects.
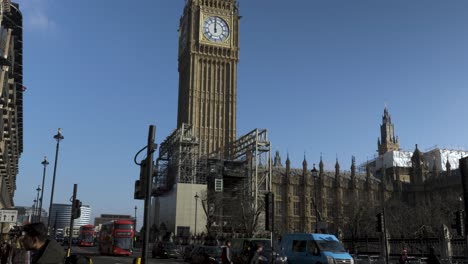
[
  {"x": 387, "y": 141},
  {"x": 208, "y": 56}
]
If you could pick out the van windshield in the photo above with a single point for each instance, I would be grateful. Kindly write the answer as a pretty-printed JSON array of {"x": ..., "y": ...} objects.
[{"x": 330, "y": 245}]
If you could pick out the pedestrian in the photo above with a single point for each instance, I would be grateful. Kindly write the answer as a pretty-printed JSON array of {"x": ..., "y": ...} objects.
[
  {"x": 43, "y": 250},
  {"x": 403, "y": 257},
  {"x": 257, "y": 257},
  {"x": 432, "y": 257},
  {"x": 5, "y": 252},
  {"x": 19, "y": 255},
  {"x": 226, "y": 255}
]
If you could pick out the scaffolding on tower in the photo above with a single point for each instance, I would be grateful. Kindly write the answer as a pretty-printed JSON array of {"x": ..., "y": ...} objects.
[{"x": 255, "y": 148}]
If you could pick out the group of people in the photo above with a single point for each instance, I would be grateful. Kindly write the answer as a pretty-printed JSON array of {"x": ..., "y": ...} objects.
[{"x": 32, "y": 246}]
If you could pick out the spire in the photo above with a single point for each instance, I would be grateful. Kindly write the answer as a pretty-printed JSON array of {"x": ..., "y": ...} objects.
[
  {"x": 417, "y": 157},
  {"x": 277, "y": 162},
  {"x": 353, "y": 167},
  {"x": 304, "y": 162},
  {"x": 288, "y": 163},
  {"x": 337, "y": 167},
  {"x": 448, "y": 167},
  {"x": 387, "y": 141},
  {"x": 321, "y": 164}
]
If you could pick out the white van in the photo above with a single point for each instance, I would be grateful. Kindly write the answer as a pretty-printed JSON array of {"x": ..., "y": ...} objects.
[{"x": 314, "y": 248}]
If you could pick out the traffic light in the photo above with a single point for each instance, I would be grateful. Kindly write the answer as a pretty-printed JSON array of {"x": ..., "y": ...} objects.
[
  {"x": 269, "y": 211},
  {"x": 460, "y": 223},
  {"x": 76, "y": 209},
  {"x": 379, "y": 222},
  {"x": 140, "y": 185},
  {"x": 138, "y": 194}
]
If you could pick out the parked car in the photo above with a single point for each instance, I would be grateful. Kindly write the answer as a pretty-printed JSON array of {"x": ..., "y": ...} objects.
[
  {"x": 164, "y": 249},
  {"x": 206, "y": 254}
]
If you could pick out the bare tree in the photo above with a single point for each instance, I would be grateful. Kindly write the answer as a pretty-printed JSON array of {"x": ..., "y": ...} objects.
[{"x": 245, "y": 216}]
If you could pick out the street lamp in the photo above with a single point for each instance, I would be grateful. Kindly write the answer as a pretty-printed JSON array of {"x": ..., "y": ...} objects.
[
  {"x": 44, "y": 163},
  {"x": 135, "y": 218},
  {"x": 196, "y": 203},
  {"x": 315, "y": 176},
  {"x": 36, "y": 213},
  {"x": 57, "y": 137},
  {"x": 33, "y": 211}
]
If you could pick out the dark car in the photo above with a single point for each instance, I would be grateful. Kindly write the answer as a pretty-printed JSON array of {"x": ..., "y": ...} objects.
[
  {"x": 206, "y": 254},
  {"x": 164, "y": 249}
]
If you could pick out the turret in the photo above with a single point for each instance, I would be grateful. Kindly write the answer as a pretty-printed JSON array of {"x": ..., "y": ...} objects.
[
  {"x": 417, "y": 167},
  {"x": 337, "y": 168},
  {"x": 304, "y": 164},
  {"x": 321, "y": 169},
  {"x": 449, "y": 168},
  {"x": 388, "y": 141},
  {"x": 277, "y": 162}
]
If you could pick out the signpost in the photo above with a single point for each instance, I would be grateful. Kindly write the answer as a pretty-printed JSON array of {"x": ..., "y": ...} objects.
[{"x": 7, "y": 216}]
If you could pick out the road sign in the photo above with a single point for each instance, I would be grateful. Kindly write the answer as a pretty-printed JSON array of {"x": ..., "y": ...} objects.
[{"x": 8, "y": 216}]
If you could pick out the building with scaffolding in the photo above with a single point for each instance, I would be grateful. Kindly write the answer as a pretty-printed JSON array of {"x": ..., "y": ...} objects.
[
  {"x": 11, "y": 99},
  {"x": 195, "y": 193}
]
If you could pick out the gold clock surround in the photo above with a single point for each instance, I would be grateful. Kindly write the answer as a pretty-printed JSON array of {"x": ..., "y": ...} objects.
[{"x": 203, "y": 39}]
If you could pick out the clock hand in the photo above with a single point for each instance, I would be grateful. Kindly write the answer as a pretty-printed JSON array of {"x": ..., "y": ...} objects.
[{"x": 216, "y": 22}]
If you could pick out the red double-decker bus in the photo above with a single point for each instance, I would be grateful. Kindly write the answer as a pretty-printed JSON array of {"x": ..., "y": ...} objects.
[
  {"x": 86, "y": 236},
  {"x": 116, "y": 238}
]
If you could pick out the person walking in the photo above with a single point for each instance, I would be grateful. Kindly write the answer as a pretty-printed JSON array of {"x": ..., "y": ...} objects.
[
  {"x": 6, "y": 248},
  {"x": 403, "y": 257},
  {"x": 44, "y": 250},
  {"x": 432, "y": 257},
  {"x": 226, "y": 255},
  {"x": 18, "y": 254},
  {"x": 257, "y": 257}
]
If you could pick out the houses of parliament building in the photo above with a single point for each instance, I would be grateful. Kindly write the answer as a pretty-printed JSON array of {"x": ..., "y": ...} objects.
[{"x": 347, "y": 201}]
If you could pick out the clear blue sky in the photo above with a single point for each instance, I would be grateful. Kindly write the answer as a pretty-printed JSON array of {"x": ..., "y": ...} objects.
[{"x": 316, "y": 74}]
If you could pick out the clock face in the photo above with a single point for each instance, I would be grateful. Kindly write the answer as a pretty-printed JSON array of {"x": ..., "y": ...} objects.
[{"x": 215, "y": 29}]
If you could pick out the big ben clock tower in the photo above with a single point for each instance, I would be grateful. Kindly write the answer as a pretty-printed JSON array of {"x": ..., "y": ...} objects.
[{"x": 208, "y": 56}]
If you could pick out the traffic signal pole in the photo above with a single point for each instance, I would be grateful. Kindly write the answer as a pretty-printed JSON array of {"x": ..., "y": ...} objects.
[
  {"x": 385, "y": 235},
  {"x": 149, "y": 187}
]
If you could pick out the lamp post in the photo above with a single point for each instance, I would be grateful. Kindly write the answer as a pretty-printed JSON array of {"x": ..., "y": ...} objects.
[
  {"x": 33, "y": 213},
  {"x": 44, "y": 163},
  {"x": 135, "y": 218},
  {"x": 36, "y": 213},
  {"x": 57, "y": 137},
  {"x": 196, "y": 204},
  {"x": 315, "y": 176}
]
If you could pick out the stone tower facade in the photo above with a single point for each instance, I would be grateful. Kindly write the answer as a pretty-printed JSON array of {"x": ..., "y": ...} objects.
[
  {"x": 387, "y": 141},
  {"x": 208, "y": 56}
]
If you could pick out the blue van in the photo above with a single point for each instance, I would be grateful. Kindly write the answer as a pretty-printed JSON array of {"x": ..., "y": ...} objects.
[{"x": 314, "y": 248}]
